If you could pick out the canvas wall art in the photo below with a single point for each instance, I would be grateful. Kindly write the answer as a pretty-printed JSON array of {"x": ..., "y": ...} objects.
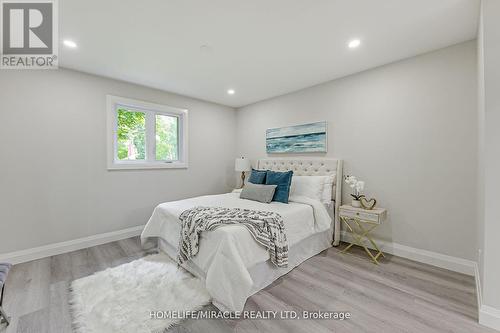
[{"x": 306, "y": 138}]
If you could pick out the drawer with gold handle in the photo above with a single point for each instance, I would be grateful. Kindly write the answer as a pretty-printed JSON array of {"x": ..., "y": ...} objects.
[{"x": 360, "y": 215}]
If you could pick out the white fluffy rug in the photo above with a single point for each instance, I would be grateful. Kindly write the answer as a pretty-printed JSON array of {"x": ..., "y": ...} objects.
[{"x": 121, "y": 299}]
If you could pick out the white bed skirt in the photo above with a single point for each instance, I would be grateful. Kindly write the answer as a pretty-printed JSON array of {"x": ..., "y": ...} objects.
[{"x": 265, "y": 273}]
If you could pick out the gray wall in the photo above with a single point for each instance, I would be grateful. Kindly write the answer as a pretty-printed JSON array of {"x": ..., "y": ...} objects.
[
  {"x": 489, "y": 111},
  {"x": 54, "y": 185},
  {"x": 409, "y": 129}
]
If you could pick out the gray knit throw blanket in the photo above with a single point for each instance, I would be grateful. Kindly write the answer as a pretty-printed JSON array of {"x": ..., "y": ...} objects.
[{"x": 267, "y": 229}]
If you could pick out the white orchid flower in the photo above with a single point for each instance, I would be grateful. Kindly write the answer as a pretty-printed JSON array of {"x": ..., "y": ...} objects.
[
  {"x": 360, "y": 185},
  {"x": 350, "y": 180},
  {"x": 357, "y": 185}
]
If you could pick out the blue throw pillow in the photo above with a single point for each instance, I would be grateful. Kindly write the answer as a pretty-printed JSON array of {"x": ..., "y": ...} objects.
[
  {"x": 283, "y": 181},
  {"x": 257, "y": 177}
]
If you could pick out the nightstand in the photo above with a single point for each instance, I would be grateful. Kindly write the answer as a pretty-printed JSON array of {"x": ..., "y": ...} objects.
[{"x": 360, "y": 223}]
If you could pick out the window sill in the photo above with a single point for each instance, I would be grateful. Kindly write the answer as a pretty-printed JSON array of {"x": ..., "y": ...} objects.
[{"x": 147, "y": 166}]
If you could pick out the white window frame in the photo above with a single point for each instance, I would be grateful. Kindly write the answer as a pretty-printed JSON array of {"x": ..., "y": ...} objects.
[{"x": 150, "y": 110}]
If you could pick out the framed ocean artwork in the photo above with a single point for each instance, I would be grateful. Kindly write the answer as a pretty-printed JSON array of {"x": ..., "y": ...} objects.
[{"x": 306, "y": 138}]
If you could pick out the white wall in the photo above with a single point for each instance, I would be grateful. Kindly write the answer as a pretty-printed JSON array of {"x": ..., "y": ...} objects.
[
  {"x": 480, "y": 150},
  {"x": 409, "y": 129},
  {"x": 489, "y": 73},
  {"x": 54, "y": 185}
]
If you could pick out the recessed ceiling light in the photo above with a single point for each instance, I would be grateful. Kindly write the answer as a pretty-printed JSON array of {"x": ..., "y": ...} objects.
[
  {"x": 230, "y": 91},
  {"x": 354, "y": 43},
  {"x": 70, "y": 43},
  {"x": 205, "y": 48}
]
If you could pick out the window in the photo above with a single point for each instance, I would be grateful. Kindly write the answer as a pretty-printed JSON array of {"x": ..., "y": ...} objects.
[{"x": 143, "y": 135}]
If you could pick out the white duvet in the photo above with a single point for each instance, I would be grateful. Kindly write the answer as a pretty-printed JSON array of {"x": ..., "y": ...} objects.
[{"x": 226, "y": 253}]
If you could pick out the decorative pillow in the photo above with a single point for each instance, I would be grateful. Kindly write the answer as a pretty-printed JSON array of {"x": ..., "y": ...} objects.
[
  {"x": 308, "y": 186},
  {"x": 257, "y": 192},
  {"x": 283, "y": 181},
  {"x": 315, "y": 187},
  {"x": 257, "y": 177},
  {"x": 328, "y": 188}
]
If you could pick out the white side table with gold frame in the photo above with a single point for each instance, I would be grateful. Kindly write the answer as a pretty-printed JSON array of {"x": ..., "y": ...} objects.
[{"x": 360, "y": 223}]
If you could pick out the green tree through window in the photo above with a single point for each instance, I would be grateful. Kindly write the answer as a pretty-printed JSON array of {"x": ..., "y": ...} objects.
[
  {"x": 144, "y": 135},
  {"x": 166, "y": 138},
  {"x": 131, "y": 135}
]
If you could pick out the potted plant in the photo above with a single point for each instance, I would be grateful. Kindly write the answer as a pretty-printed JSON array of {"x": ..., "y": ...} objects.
[{"x": 357, "y": 187}]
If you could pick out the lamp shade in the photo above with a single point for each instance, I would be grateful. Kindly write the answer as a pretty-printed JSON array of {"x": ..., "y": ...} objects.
[{"x": 242, "y": 164}]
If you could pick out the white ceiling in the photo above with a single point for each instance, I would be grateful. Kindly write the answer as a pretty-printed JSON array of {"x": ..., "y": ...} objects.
[{"x": 260, "y": 48}]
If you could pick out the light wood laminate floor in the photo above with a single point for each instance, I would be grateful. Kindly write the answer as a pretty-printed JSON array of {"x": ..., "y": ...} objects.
[{"x": 399, "y": 295}]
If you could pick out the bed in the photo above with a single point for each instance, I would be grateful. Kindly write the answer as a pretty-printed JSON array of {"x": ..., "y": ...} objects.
[{"x": 231, "y": 263}]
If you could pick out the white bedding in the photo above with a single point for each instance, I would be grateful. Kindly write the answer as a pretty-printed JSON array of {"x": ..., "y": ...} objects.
[{"x": 226, "y": 253}]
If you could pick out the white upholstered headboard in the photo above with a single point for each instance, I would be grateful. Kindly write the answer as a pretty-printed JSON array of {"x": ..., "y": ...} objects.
[{"x": 312, "y": 167}]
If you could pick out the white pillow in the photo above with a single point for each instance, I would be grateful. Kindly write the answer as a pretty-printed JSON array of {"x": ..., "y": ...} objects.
[
  {"x": 308, "y": 186},
  {"x": 328, "y": 188},
  {"x": 314, "y": 187}
]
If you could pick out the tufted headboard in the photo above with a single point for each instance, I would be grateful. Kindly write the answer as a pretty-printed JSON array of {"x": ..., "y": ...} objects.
[{"x": 312, "y": 167}]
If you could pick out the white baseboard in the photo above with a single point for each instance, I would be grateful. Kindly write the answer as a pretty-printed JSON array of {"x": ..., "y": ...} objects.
[
  {"x": 479, "y": 291},
  {"x": 428, "y": 257},
  {"x": 68, "y": 246},
  {"x": 488, "y": 316},
  {"x": 455, "y": 264}
]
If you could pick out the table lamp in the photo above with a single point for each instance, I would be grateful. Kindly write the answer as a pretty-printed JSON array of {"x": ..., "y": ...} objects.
[{"x": 242, "y": 165}]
